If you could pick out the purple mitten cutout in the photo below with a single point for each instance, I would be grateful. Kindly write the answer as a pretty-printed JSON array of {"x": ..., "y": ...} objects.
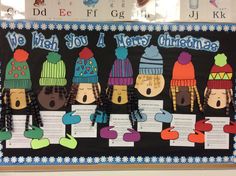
[
  {"x": 107, "y": 133},
  {"x": 133, "y": 136}
]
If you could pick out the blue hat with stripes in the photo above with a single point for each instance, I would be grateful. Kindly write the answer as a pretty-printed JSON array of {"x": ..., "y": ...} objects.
[{"x": 151, "y": 62}]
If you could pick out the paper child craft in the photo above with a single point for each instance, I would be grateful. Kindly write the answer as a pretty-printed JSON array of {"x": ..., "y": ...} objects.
[
  {"x": 17, "y": 94},
  {"x": 121, "y": 91},
  {"x": 183, "y": 83},
  {"x": 39, "y": 3},
  {"x": 53, "y": 93},
  {"x": 150, "y": 81},
  {"x": 219, "y": 93}
]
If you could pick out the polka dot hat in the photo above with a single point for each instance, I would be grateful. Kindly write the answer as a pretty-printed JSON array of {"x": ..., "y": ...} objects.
[{"x": 17, "y": 71}]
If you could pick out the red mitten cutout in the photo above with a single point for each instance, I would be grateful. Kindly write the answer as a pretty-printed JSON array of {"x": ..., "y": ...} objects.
[
  {"x": 197, "y": 137},
  {"x": 231, "y": 128},
  {"x": 167, "y": 134},
  {"x": 201, "y": 125}
]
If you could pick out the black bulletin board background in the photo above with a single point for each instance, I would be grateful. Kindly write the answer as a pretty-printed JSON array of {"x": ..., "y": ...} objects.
[{"x": 151, "y": 144}]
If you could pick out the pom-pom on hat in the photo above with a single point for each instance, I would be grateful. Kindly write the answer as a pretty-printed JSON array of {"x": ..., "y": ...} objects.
[
  {"x": 183, "y": 72},
  {"x": 54, "y": 71},
  {"x": 121, "y": 72},
  {"x": 85, "y": 68},
  {"x": 151, "y": 62},
  {"x": 221, "y": 74},
  {"x": 17, "y": 75}
]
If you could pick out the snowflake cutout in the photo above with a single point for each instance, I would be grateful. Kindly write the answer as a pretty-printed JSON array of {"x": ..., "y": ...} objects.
[
  {"x": 82, "y": 27},
  {"x": 89, "y": 160},
  {"x": 12, "y": 25},
  {"x": 36, "y": 159},
  {"x": 234, "y": 140},
  {"x": 143, "y": 28},
  {"x": 161, "y": 159},
  {"x": 1, "y": 147},
  {"x": 75, "y": 27},
  {"x": 20, "y": 26},
  {"x": 113, "y": 27},
  {"x": 35, "y": 26},
  {"x": 1, "y": 154},
  {"x": 125, "y": 159},
  {"x": 165, "y": 27},
  {"x": 4, "y": 25},
  {"x": 176, "y": 159},
  {"x": 154, "y": 159},
  {"x": 98, "y": 27},
  {"x": 135, "y": 28},
  {"x": 204, "y": 159},
  {"x": 183, "y": 159},
  {"x": 96, "y": 160},
  {"x": 168, "y": 159},
  {"x": 158, "y": 27},
  {"x": 90, "y": 27},
  {"x": 233, "y": 28},
  {"x": 67, "y": 27},
  {"x": 21, "y": 159},
  {"x": 44, "y": 159},
  {"x": 44, "y": 26},
  {"x": 59, "y": 159},
  {"x": 234, "y": 153},
  {"x": 13, "y": 159},
  {"x": 29, "y": 159},
  {"x": 128, "y": 27},
  {"x": 52, "y": 159},
  {"x": 132, "y": 159},
  {"x": 147, "y": 159},
  {"x": 204, "y": 28},
  {"x": 174, "y": 28},
  {"x": 59, "y": 27},
  {"x": 105, "y": 27},
  {"x": 219, "y": 159},
  {"x": 121, "y": 27},
  {"x": 226, "y": 28},
  {"x": 110, "y": 159},
  {"x": 211, "y": 27},
  {"x": 118, "y": 159},
  {"x": 6, "y": 159},
  {"x": 212, "y": 159},
  {"x": 139, "y": 159},
  {"x": 189, "y": 28},
  {"x": 197, "y": 28},
  {"x": 197, "y": 159},
  {"x": 51, "y": 26},
  {"x": 82, "y": 159},
  {"x": 226, "y": 159},
  {"x": 74, "y": 160},
  {"x": 235, "y": 146},
  {"x": 190, "y": 159},
  {"x": 219, "y": 28},
  {"x": 67, "y": 159},
  {"x": 103, "y": 159},
  {"x": 181, "y": 28},
  {"x": 150, "y": 28},
  {"x": 27, "y": 25}
]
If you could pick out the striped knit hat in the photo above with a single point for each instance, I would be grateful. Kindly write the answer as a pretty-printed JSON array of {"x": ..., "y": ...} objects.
[
  {"x": 86, "y": 68},
  {"x": 151, "y": 62},
  {"x": 54, "y": 71},
  {"x": 121, "y": 72},
  {"x": 17, "y": 74}
]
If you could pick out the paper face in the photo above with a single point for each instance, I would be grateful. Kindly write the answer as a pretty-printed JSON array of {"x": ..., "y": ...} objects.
[
  {"x": 84, "y": 129},
  {"x": 121, "y": 123},
  {"x": 217, "y": 138},
  {"x": 184, "y": 124},
  {"x": 150, "y": 108}
]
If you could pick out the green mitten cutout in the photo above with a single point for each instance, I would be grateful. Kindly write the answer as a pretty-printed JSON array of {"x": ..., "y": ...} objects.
[
  {"x": 70, "y": 143},
  {"x": 34, "y": 133},
  {"x": 5, "y": 135},
  {"x": 39, "y": 143}
]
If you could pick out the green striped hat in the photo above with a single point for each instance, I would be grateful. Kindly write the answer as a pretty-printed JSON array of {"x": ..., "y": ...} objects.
[{"x": 54, "y": 71}]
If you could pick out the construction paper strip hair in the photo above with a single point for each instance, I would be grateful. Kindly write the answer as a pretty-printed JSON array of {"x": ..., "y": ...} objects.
[
  {"x": 86, "y": 88},
  {"x": 183, "y": 83},
  {"x": 17, "y": 93},
  {"x": 120, "y": 85},
  {"x": 219, "y": 93},
  {"x": 53, "y": 94}
]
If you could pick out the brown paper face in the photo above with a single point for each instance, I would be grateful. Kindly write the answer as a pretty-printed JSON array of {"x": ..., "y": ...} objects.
[
  {"x": 85, "y": 93},
  {"x": 217, "y": 98},
  {"x": 150, "y": 85},
  {"x": 52, "y": 100},
  {"x": 120, "y": 95},
  {"x": 18, "y": 99},
  {"x": 183, "y": 96}
]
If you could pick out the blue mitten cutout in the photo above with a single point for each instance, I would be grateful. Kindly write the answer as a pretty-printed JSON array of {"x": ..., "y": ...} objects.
[
  {"x": 69, "y": 118},
  {"x": 99, "y": 117},
  {"x": 164, "y": 116},
  {"x": 138, "y": 116}
]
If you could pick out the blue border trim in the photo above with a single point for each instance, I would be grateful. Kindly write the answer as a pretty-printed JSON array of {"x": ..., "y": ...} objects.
[{"x": 118, "y": 26}]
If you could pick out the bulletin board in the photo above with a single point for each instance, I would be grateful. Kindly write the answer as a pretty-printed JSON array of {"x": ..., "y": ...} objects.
[{"x": 117, "y": 95}]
